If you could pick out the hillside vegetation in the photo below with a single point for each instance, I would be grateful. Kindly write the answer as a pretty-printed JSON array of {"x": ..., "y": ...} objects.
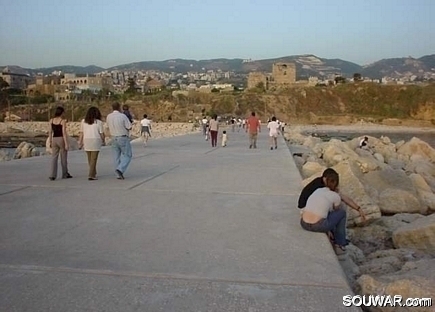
[{"x": 342, "y": 103}]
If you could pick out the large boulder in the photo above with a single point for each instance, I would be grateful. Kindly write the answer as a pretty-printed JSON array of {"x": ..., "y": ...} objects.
[
  {"x": 393, "y": 201},
  {"x": 351, "y": 186},
  {"x": 25, "y": 150},
  {"x": 418, "y": 235},
  {"x": 312, "y": 168},
  {"x": 425, "y": 168},
  {"x": 371, "y": 238},
  {"x": 381, "y": 265},
  {"x": 424, "y": 192},
  {"x": 416, "y": 147},
  {"x": 393, "y": 190},
  {"x": 414, "y": 280}
]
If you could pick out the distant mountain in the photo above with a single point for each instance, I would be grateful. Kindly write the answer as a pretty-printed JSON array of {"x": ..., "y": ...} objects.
[
  {"x": 307, "y": 65},
  {"x": 400, "y": 67},
  {"x": 91, "y": 69}
]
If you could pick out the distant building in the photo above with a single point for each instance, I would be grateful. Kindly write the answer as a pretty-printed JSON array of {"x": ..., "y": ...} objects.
[
  {"x": 87, "y": 82},
  {"x": 283, "y": 74},
  {"x": 15, "y": 80}
]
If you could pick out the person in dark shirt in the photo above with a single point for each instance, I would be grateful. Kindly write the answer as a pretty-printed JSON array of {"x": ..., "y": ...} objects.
[
  {"x": 320, "y": 182},
  {"x": 127, "y": 113}
]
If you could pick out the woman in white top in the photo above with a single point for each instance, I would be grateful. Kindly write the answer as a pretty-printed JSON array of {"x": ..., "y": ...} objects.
[
  {"x": 273, "y": 127},
  {"x": 91, "y": 139},
  {"x": 323, "y": 213},
  {"x": 145, "y": 130}
]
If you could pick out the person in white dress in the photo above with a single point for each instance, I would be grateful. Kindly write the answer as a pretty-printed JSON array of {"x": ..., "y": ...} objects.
[{"x": 91, "y": 139}]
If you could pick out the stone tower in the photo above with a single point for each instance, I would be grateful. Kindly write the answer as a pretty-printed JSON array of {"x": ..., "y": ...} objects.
[{"x": 284, "y": 73}]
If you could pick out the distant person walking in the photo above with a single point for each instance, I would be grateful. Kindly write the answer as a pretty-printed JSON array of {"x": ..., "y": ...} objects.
[
  {"x": 145, "y": 130},
  {"x": 273, "y": 127},
  {"x": 91, "y": 139},
  {"x": 253, "y": 127},
  {"x": 119, "y": 126},
  {"x": 126, "y": 111},
  {"x": 224, "y": 138},
  {"x": 58, "y": 141},
  {"x": 204, "y": 123},
  {"x": 214, "y": 128}
]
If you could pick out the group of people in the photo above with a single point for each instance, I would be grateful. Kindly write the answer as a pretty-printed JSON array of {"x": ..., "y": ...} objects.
[
  {"x": 92, "y": 138},
  {"x": 252, "y": 126}
]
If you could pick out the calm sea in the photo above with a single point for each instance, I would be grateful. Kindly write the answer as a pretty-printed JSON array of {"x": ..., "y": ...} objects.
[{"x": 394, "y": 137}]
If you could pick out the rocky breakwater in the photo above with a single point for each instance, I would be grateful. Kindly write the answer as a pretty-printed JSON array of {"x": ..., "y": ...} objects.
[
  {"x": 393, "y": 252},
  {"x": 27, "y": 131}
]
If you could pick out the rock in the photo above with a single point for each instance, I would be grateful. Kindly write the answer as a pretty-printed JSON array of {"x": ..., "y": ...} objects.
[
  {"x": 383, "y": 265},
  {"x": 389, "y": 178},
  {"x": 395, "y": 163},
  {"x": 25, "y": 150},
  {"x": 335, "y": 151},
  {"x": 418, "y": 235},
  {"x": 356, "y": 254},
  {"x": 311, "y": 141},
  {"x": 300, "y": 161},
  {"x": 312, "y": 168},
  {"x": 396, "y": 201},
  {"x": 424, "y": 192},
  {"x": 4, "y": 155},
  {"x": 416, "y": 282},
  {"x": 371, "y": 238},
  {"x": 379, "y": 157},
  {"x": 400, "y": 144},
  {"x": 402, "y": 253},
  {"x": 418, "y": 147},
  {"x": 351, "y": 186},
  {"x": 425, "y": 168},
  {"x": 395, "y": 222}
]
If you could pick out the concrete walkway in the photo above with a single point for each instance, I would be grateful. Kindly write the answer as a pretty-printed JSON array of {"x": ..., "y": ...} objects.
[{"x": 191, "y": 228}]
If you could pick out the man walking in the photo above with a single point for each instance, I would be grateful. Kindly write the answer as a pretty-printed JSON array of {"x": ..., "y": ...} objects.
[
  {"x": 119, "y": 125},
  {"x": 253, "y": 127}
]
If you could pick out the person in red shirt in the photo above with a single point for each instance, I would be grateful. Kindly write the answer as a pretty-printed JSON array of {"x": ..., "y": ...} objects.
[{"x": 253, "y": 127}]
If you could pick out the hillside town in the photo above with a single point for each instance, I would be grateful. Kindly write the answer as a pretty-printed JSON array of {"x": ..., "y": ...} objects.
[{"x": 64, "y": 86}]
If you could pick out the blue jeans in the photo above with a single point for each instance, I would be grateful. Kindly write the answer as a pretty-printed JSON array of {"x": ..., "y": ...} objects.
[
  {"x": 122, "y": 153},
  {"x": 335, "y": 222}
]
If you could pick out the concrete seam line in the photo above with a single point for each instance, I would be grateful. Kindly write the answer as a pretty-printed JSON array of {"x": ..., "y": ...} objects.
[
  {"x": 210, "y": 151},
  {"x": 16, "y": 190},
  {"x": 153, "y": 177},
  {"x": 141, "y": 156},
  {"x": 164, "y": 276}
]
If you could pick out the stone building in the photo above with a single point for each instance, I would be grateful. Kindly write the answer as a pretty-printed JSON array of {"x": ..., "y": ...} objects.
[
  {"x": 256, "y": 78},
  {"x": 86, "y": 82},
  {"x": 14, "y": 79},
  {"x": 283, "y": 75}
]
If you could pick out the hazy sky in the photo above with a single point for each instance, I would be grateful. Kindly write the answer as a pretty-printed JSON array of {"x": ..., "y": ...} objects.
[{"x": 45, "y": 33}]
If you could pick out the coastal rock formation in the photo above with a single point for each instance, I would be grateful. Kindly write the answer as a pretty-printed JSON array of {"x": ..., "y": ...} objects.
[
  {"x": 350, "y": 184},
  {"x": 393, "y": 200},
  {"x": 415, "y": 280},
  {"x": 4, "y": 156},
  {"x": 418, "y": 235},
  {"x": 25, "y": 150},
  {"x": 416, "y": 147},
  {"x": 311, "y": 168},
  {"x": 424, "y": 192}
]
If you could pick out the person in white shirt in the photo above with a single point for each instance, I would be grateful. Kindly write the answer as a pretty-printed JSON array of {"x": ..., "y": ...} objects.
[
  {"x": 273, "y": 127},
  {"x": 91, "y": 139},
  {"x": 119, "y": 127},
  {"x": 204, "y": 122},
  {"x": 224, "y": 138},
  {"x": 145, "y": 130}
]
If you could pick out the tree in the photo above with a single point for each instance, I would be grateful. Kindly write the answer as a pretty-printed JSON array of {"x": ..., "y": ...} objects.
[
  {"x": 339, "y": 79},
  {"x": 3, "y": 84},
  {"x": 357, "y": 77},
  {"x": 131, "y": 86}
]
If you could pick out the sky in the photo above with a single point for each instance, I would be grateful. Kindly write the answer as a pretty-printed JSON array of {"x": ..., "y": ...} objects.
[{"x": 46, "y": 33}]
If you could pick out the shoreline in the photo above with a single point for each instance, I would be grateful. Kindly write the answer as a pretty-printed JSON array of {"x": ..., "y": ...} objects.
[{"x": 359, "y": 128}]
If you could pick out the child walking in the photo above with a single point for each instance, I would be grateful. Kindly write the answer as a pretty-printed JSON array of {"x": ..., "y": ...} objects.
[{"x": 224, "y": 138}]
